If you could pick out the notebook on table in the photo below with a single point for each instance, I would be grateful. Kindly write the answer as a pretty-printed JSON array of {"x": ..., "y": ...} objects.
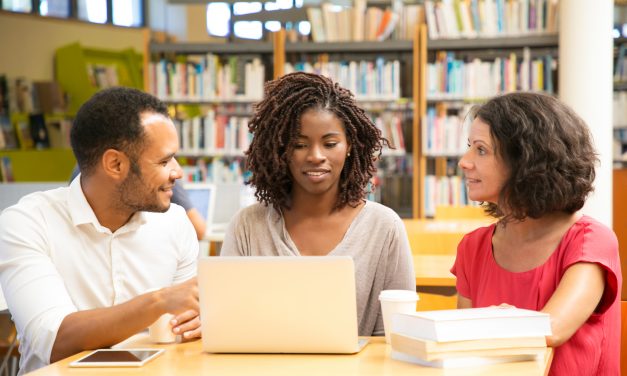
[{"x": 278, "y": 305}]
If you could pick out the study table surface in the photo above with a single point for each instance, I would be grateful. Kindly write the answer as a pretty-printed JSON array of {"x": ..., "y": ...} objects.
[
  {"x": 374, "y": 359},
  {"x": 434, "y": 270}
]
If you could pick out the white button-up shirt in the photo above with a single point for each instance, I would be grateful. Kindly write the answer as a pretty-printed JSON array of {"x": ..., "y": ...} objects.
[{"x": 56, "y": 258}]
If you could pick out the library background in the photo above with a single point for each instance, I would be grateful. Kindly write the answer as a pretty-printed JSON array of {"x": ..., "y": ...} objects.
[{"x": 416, "y": 66}]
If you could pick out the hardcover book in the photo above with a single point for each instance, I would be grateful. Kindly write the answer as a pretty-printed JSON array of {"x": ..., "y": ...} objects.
[{"x": 472, "y": 323}]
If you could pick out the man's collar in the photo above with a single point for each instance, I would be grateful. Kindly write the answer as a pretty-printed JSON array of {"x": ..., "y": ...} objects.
[{"x": 82, "y": 213}]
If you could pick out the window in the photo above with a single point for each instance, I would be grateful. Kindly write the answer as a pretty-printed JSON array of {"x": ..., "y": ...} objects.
[
  {"x": 116, "y": 12},
  {"x": 92, "y": 10},
  {"x": 54, "y": 8},
  {"x": 127, "y": 12},
  {"x": 248, "y": 29},
  {"x": 24, "y": 6},
  {"x": 218, "y": 18}
]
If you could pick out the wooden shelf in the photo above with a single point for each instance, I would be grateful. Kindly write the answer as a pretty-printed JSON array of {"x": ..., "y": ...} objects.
[
  {"x": 348, "y": 47},
  {"x": 620, "y": 86},
  {"x": 216, "y": 48},
  {"x": 413, "y": 53},
  {"x": 531, "y": 41}
]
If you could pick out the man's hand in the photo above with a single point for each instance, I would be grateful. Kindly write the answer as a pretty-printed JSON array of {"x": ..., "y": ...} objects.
[{"x": 182, "y": 301}]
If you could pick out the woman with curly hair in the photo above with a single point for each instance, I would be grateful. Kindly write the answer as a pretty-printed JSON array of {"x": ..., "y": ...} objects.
[
  {"x": 532, "y": 163},
  {"x": 311, "y": 157}
]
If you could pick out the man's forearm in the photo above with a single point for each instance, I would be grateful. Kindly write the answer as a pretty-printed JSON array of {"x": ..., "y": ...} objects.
[{"x": 104, "y": 327}]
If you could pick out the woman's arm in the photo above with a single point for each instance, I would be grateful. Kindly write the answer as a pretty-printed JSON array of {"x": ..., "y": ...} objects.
[
  {"x": 463, "y": 302},
  {"x": 575, "y": 299}
]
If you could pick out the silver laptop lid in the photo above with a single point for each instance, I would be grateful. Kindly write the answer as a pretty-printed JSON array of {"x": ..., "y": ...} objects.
[{"x": 278, "y": 304}]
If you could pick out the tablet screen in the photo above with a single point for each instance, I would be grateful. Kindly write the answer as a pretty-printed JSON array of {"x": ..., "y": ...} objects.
[{"x": 116, "y": 357}]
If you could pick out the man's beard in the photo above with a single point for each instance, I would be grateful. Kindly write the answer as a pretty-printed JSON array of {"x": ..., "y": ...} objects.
[{"x": 136, "y": 196}]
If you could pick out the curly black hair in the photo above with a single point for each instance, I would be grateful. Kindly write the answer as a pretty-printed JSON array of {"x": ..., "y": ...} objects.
[
  {"x": 549, "y": 151},
  {"x": 275, "y": 126},
  {"x": 111, "y": 120}
]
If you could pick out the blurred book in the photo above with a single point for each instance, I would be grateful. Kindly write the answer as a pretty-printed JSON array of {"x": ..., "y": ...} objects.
[
  {"x": 489, "y": 347},
  {"x": 23, "y": 132},
  {"x": 38, "y": 131},
  {"x": 4, "y": 96},
  {"x": 472, "y": 323},
  {"x": 462, "y": 362},
  {"x": 24, "y": 94},
  {"x": 48, "y": 97},
  {"x": 59, "y": 133},
  {"x": 8, "y": 139},
  {"x": 6, "y": 170}
]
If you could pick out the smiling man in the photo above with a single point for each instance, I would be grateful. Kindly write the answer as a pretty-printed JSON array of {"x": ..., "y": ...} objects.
[{"x": 76, "y": 262}]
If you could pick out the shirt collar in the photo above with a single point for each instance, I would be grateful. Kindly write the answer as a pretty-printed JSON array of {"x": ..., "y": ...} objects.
[{"x": 82, "y": 213}]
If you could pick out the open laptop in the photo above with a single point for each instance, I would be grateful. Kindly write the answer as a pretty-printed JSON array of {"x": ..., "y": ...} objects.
[
  {"x": 217, "y": 203},
  {"x": 278, "y": 305},
  {"x": 203, "y": 198}
]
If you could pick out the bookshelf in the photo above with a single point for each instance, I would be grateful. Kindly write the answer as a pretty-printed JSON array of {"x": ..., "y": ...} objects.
[
  {"x": 210, "y": 88},
  {"x": 379, "y": 75},
  {"x": 620, "y": 103},
  {"x": 44, "y": 165},
  {"x": 82, "y": 71},
  {"x": 456, "y": 74},
  {"x": 403, "y": 174}
]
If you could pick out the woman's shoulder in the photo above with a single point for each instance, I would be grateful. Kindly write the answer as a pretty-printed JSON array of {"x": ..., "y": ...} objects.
[
  {"x": 254, "y": 212},
  {"x": 379, "y": 209},
  {"x": 477, "y": 236},
  {"x": 594, "y": 235},
  {"x": 379, "y": 213}
]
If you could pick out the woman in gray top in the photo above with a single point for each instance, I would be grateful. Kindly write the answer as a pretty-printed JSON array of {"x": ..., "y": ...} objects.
[{"x": 311, "y": 158}]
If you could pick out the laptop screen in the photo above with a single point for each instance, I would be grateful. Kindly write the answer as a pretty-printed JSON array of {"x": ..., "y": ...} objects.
[{"x": 202, "y": 197}]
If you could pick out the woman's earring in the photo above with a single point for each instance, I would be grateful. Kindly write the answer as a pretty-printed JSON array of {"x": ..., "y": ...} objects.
[{"x": 348, "y": 154}]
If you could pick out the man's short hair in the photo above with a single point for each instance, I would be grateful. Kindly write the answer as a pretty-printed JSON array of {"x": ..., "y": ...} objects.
[{"x": 111, "y": 120}]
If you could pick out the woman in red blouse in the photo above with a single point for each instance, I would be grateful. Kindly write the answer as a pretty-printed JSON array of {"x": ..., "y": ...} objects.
[{"x": 531, "y": 163}]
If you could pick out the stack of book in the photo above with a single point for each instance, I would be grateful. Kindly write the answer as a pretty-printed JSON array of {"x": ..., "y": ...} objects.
[{"x": 469, "y": 337}]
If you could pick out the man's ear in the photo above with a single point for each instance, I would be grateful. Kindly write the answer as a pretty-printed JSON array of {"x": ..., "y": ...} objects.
[{"x": 115, "y": 164}]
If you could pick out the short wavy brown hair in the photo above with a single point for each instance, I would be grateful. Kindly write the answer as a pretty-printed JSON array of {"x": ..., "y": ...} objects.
[
  {"x": 549, "y": 151},
  {"x": 275, "y": 126}
]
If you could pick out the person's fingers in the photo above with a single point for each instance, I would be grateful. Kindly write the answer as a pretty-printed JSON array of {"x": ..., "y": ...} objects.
[
  {"x": 188, "y": 328},
  {"x": 191, "y": 334},
  {"x": 182, "y": 318}
]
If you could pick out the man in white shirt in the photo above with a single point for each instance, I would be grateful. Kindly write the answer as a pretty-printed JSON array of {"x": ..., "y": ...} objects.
[{"x": 76, "y": 262}]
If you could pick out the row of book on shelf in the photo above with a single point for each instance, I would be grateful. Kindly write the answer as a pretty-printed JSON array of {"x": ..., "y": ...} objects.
[
  {"x": 444, "y": 134},
  {"x": 213, "y": 134},
  {"x": 620, "y": 109},
  {"x": 220, "y": 134},
  {"x": 449, "y": 77},
  {"x": 490, "y": 18},
  {"x": 444, "y": 191},
  {"x": 366, "y": 79},
  {"x": 31, "y": 114},
  {"x": 214, "y": 170},
  {"x": 34, "y": 131},
  {"x": 469, "y": 337},
  {"x": 207, "y": 77},
  {"x": 620, "y": 66},
  {"x": 332, "y": 23}
]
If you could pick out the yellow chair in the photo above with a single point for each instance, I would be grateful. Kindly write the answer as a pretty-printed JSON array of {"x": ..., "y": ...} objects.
[{"x": 459, "y": 212}]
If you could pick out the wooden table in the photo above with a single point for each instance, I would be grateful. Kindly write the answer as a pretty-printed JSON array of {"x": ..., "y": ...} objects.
[
  {"x": 435, "y": 283},
  {"x": 374, "y": 359},
  {"x": 429, "y": 237},
  {"x": 434, "y": 270}
]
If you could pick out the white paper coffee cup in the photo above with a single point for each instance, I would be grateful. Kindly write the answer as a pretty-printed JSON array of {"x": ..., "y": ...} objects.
[
  {"x": 161, "y": 331},
  {"x": 396, "y": 301}
]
